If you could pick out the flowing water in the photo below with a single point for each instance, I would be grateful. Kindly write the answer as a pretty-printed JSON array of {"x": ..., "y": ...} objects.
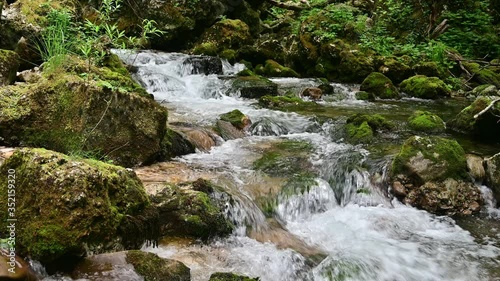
[{"x": 343, "y": 227}]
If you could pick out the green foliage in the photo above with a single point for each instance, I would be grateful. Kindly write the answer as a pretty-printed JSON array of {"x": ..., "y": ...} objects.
[{"x": 55, "y": 42}]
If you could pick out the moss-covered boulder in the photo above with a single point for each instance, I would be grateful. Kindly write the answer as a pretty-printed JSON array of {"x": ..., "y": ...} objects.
[
  {"x": 153, "y": 268},
  {"x": 103, "y": 114},
  {"x": 254, "y": 87},
  {"x": 431, "y": 173},
  {"x": 485, "y": 90},
  {"x": 485, "y": 126},
  {"x": 287, "y": 103},
  {"x": 395, "y": 69},
  {"x": 186, "y": 211},
  {"x": 362, "y": 95},
  {"x": 429, "y": 69},
  {"x": 228, "y": 131},
  {"x": 424, "y": 87},
  {"x": 274, "y": 69},
  {"x": 378, "y": 84},
  {"x": 424, "y": 121},
  {"x": 237, "y": 119},
  {"x": 430, "y": 159},
  {"x": 9, "y": 63},
  {"x": 67, "y": 206},
  {"x": 493, "y": 175},
  {"x": 361, "y": 128},
  {"x": 226, "y": 276},
  {"x": 224, "y": 35},
  {"x": 484, "y": 75}
]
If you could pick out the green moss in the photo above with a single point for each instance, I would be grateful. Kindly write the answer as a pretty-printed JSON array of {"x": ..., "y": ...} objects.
[
  {"x": 254, "y": 86},
  {"x": 274, "y": 69},
  {"x": 375, "y": 121},
  {"x": 395, "y": 70},
  {"x": 430, "y": 69},
  {"x": 359, "y": 134},
  {"x": 362, "y": 95},
  {"x": 281, "y": 101},
  {"x": 285, "y": 158},
  {"x": 484, "y": 75},
  {"x": 226, "y": 276},
  {"x": 246, "y": 72},
  {"x": 426, "y": 122},
  {"x": 226, "y": 35},
  {"x": 153, "y": 268},
  {"x": 379, "y": 85},
  {"x": 114, "y": 63},
  {"x": 88, "y": 201},
  {"x": 236, "y": 118},
  {"x": 421, "y": 86},
  {"x": 9, "y": 63},
  {"x": 446, "y": 158},
  {"x": 485, "y": 126},
  {"x": 207, "y": 48}
]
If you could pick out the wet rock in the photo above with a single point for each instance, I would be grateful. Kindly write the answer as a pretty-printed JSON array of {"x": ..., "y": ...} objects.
[
  {"x": 424, "y": 87},
  {"x": 197, "y": 137},
  {"x": 485, "y": 126},
  {"x": 426, "y": 159},
  {"x": 326, "y": 88},
  {"x": 362, "y": 95},
  {"x": 361, "y": 128},
  {"x": 110, "y": 115},
  {"x": 493, "y": 175},
  {"x": 226, "y": 276},
  {"x": 268, "y": 127},
  {"x": 204, "y": 65},
  {"x": 13, "y": 267},
  {"x": 254, "y": 87},
  {"x": 475, "y": 167},
  {"x": 154, "y": 268},
  {"x": 378, "y": 84},
  {"x": 450, "y": 197},
  {"x": 430, "y": 173},
  {"x": 274, "y": 69},
  {"x": 237, "y": 119},
  {"x": 176, "y": 144},
  {"x": 361, "y": 133},
  {"x": 94, "y": 206},
  {"x": 429, "y": 69},
  {"x": 312, "y": 93},
  {"x": 228, "y": 131},
  {"x": 425, "y": 121},
  {"x": 484, "y": 75},
  {"x": 186, "y": 212},
  {"x": 9, "y": 63},
  {"x": 485, "y": 90},
  {"x": 395, "y": 70},
  {"x": 285, "y": 158}
]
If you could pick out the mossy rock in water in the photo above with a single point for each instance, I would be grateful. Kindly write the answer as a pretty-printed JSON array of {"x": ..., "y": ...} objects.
[
  {"x": 153, "y": 268},
  {"x": 252, "y": 87},
  {"x": 486, "y": 126},
  {"x": 375, "y": 121},
  {"x": 274, "y": 69},
  {"x": 486, "y": 90},
  {"x": 425, "y": 121},
  {"x": 226, "y": 276},
  {"x": 379, "y": 85},
  {"x": 362, "y": 95},
  {"x": 425, "y": 159},
  {"x": 493, "y": 175},
  {"x": 362, "y": 133},
  {"x": 285, "y": 158},
  {"x": 424, "y": 87},
  {"x": 484, "y": 75},
  {"x": 9, "y": 63},
  {"x": 224, "y": 35},
  {"x": 286, "y": 102},
  {"x": 67, "y": 206},
  {"x": 109, "y": 115},
  {"x": 185, "y": 211},
  {"x": 236, "y": 118}
]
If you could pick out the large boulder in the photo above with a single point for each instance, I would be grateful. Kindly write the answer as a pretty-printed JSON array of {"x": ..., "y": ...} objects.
[
  {"x": 395, "y": 69},
  {"x": 361, "y": 128},
  {"x": 493, "y": 175},
  {"x": 379, "y": 85},
  {"x": 485, "y": 126},
  {"x": 9, "y": 63},
  {"x": 274, "y": 69},
  {"x": 254, "y": 87},
  {"x": 484, "y": 75},
  {"x": 204, "y": 65},
  {"x": 153, "y": 268},
  {"x": 190, "y": 210},
  {"x": 108, "y": 116},
  {"x": 431, "y": 173},
  {"x": 66, "y": 207},
  {"x": 424, "y": 87},
  {"x": 223, "y": 37}
]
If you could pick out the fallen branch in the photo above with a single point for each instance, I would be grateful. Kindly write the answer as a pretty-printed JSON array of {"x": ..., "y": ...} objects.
[{"x": 487, "y": 108}]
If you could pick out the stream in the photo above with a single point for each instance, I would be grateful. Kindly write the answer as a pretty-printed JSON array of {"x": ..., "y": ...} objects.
[{"x": 343, "y": 227}]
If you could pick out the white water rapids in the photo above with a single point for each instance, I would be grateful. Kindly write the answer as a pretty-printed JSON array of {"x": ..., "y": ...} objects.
[{"x": 354, "y": 235}]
